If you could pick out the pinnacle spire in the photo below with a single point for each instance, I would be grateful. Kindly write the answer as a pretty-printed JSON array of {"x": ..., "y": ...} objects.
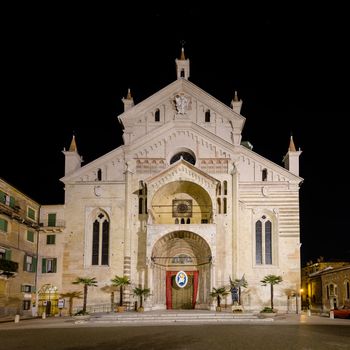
[
  {"x": 236, "y": 103},
  {"x": 182, "y": 57},
  {"x": 291, "y": 147},
  {"x": 128, "y": 101},
  {"x": 73, "y": 145}
]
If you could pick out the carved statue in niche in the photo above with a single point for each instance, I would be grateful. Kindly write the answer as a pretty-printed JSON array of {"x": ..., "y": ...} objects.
[{"x": 181, "y": 104}]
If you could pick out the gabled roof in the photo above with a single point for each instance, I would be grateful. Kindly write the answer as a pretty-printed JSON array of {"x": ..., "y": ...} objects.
[
  {"x": 94, "y": 164},
  {"x": 269, "y": 163},
  {"x": 183, "y": 85},
  {"x": 177, "y": 165}
]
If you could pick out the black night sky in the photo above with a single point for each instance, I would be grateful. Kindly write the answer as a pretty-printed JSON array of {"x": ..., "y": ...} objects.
[{"x": 65, "y": 70}]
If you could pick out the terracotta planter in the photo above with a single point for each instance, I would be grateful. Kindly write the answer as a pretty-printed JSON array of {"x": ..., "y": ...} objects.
[{"x": 120, "y": 309}]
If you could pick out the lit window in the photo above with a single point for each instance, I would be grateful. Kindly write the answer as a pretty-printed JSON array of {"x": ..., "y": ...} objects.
[
  {"x": 29, "y": 263},
  {"x": 49, "y": 265}
]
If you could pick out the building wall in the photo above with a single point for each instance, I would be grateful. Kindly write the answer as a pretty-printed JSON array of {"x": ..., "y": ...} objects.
[
  {"x": 317, "y": 278},
  {"x": 16, "y": 240},
  {"x": 255, "y": 188}
]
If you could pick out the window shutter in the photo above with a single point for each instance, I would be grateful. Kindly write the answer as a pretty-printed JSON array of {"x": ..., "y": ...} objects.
[
  {"x": 54, "y": 264},
  {"x": 30, "y": 236},
  {"x": 50, "y": 239},
  {"x": 7, "y": 254},
  {"x": 3, "y": 225},
  {"x": 31, "y": 213},
  {"x": 25, "y": 263},
  {"x": 12, "y": 202},
  {"x": 35, "y": 261},
  {"x": 51, "y": 219},
  {"x": 2, "y": 197},
  {"x": 43, "y": 265}
]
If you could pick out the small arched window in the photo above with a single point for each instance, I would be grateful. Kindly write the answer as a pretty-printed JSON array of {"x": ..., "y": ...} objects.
[
  {"x": 225, "y": 188},
  {"x": 182, "y": 73},
  {"x": 157, "y": 115},
  {"x": 142, "y": 198},
  {"x": 188, "y": 221},
  {"x": 182, "y": 221},
  {"x": 176, "y": 221},
  {"x": 207, "y": 116},
  {"x": 218, "y": 189},
  {"x": 140, "y": 205},
  {"x": 99, "y": 175},
  {"x": 264, "y": 174},
  {"x": 225, "y": 205},
  {"x": 219, "y": 205}
]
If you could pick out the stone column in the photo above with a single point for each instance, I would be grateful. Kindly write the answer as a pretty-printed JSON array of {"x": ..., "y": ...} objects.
[
  {"x": 212, "y": 282},
  {"x": 149, "y": 283},
  {"x": 235, "y": 226},
  {"x": 127, "y": 233}
]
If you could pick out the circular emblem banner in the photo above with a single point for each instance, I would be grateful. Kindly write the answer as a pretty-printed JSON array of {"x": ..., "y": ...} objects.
[{"x": 181, "y": 279}]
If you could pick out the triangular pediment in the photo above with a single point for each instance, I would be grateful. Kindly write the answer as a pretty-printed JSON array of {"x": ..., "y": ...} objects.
[
  {"x": 181, "y": 171},
  {"x": 139, "y": 120}
]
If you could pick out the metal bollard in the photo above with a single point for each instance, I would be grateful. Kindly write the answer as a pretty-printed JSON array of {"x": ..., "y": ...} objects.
[
  {"x": 309, "y": 312},
  {"x": 43, "y": 316},
  {"x": 331, "y": 315},
  {"x": 16, "y": 318}
]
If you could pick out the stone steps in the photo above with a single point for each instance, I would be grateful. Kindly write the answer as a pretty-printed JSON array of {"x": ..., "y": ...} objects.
[{"x": 171, "y": 317}]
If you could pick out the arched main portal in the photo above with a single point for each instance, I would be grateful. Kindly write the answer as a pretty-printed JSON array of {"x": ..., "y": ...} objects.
[
  {"x": 181, "y": 202},
  {"x": 181, "y": 251}
]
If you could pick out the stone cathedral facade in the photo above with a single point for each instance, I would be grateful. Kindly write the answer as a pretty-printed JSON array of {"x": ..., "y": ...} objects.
[{"x": 183, "y": 193}]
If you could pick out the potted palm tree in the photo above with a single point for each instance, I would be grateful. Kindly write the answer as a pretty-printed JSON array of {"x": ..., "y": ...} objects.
[
  {"x": 271, "y": 280},
  {"x": 121, "y": 282},
  {"x": 87, "y": 282},
  {"x": 218, "y": 293},
  {"x": 141, "y": 293}
]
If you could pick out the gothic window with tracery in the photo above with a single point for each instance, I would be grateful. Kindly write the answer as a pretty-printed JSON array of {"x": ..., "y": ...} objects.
[
  {"x": 100, "y": 240},
  {"x": 263, "y": 241}
]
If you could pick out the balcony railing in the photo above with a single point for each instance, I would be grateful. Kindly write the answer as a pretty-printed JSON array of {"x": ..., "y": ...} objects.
[
  {"x": 52, "y": 224},
  {"x": 15, "y": 212},
  {"x": 8, "y": 268}
]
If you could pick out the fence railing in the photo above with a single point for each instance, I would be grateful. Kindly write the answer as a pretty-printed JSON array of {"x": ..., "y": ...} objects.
[{"x": 129, "y": 306}]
